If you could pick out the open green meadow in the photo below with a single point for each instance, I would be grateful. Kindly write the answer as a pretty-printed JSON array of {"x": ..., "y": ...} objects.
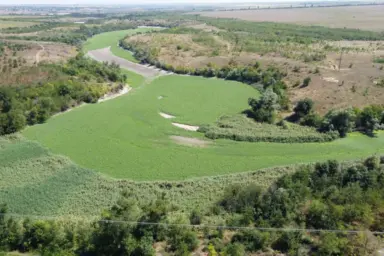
[
  {"x": 127, "y": 138},
  {"x": 36, "y": 182},
  {"x": 111, "y": 39}
]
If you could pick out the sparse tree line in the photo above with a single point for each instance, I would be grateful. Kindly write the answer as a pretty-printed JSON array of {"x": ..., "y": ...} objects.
[
  {"x": 280, "y": 32},
  {"x": 343, "y": 121},
  {"x": 327, "y": 195},
  {"x": 80, "y": 80},
  {"x": 34, "y": 28},
  {"x": 366, "y": 120}
]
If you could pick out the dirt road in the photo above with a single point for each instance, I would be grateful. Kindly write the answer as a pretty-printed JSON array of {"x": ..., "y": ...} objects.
[{"x": 106, "y": 55}]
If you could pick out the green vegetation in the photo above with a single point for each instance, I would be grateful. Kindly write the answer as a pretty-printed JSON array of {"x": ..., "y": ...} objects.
[
  {"x": 127, "y": 138},
  {"x": 80, "y": 80},
  {"x": 241, "y": 128},
  {"x": 40, "y": 173},
  {"x": 379, "y": 60},
  {"x": 327, "y": 195},
  {"x": 111, "y": 39}
]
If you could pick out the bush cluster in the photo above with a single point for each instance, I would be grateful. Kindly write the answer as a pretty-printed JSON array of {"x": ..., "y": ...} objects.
[{"x": 241, "y": 128}]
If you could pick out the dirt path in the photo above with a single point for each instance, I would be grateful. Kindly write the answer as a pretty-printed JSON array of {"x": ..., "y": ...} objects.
[
  {"x": 106, "y": 55},
  {"x": 37, "y": 57}
]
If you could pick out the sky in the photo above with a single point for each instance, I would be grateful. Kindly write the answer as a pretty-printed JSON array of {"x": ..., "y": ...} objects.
[{"x": 8, "y": 2}]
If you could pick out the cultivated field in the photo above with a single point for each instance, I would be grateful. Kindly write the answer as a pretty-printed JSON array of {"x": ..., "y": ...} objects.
[
  {"x": 361, "y": 17},
  {"x": 14, "y": 24},
  {"x": 127, "y": 137}
]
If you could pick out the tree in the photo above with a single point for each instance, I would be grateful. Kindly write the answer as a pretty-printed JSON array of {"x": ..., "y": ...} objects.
[
  {"x": 342, "y": 121},
  {"x": 303, "y": 107},
  {"x": 16, "y": 121},
  {"x": 331, "y": 244},
  {"x": 234, "y": 249},
  {"x": 368, "y": 119},
  {"x": 264, "y": 109}
]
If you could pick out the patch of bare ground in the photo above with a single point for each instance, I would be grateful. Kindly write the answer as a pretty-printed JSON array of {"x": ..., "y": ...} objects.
[
  {"x": 45, "y": 51},
  {"x": 106, "y": 55},
  {"x": 166, "y": 116},
  {"x": 184, "y": 49},
  {"x": 187, "y": 127},
  {"x": 204, "y": 27},
  {"x": 361, "y": 17},
  {"x": 350, "y": 86},
  {"x": 193, "y": 142}
]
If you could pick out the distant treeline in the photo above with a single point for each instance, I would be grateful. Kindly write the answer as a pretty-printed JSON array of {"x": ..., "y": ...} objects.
[
  {"x": 278, "y": 32},
  {"x": 77, "y": 36}
]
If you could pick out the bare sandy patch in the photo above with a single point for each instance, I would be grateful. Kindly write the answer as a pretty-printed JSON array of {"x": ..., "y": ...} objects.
[
  {"x": 167, "y": 116},
  {"x": 111, "y": 96},
  {"x": 108, "y": 96},
  {"x": 194, "y": 142},
  {"x": 330, "y": 79},
  {"x": 186, "y": 127}
]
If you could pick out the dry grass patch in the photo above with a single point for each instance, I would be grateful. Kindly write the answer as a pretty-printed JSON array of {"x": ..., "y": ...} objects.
[{"x": 193, "y": 142}]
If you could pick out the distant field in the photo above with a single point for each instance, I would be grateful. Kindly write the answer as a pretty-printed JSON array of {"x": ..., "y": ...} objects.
[
  {"x": 12, "y": 24},
  {"x": 127, "y": 138},
  {"x": 111, "y": 39},
  {"x": 361, "y": 17}
]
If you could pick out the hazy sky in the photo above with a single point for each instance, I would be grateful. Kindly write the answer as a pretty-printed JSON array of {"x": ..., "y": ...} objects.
[{"x": 7, "y": 2}]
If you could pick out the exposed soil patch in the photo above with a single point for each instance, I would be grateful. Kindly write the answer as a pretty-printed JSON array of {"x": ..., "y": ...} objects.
[
  {"x": 330, "y": 79},
  {"x": 194, "y": 142},
  {"x": 166, "y": 116},
  {"x": 111, "y": 96},
  {"x": 106, "y": 55},
  {"x": 186, "y": 127}
]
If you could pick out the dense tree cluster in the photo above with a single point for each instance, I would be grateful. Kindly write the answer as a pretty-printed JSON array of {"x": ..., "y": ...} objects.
[
  {"x": 343, "y": 121},
  {"x": 82, "y": 80},
  {"x": 118, "y": 232},
  {"x": 326, "y": 196}
]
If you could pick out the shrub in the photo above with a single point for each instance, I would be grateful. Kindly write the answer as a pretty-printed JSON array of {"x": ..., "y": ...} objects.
[
  {"x": 241, "y": 128},
  {"x": 303, "y": 107},
  {"x": 306, "y": 81}
]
